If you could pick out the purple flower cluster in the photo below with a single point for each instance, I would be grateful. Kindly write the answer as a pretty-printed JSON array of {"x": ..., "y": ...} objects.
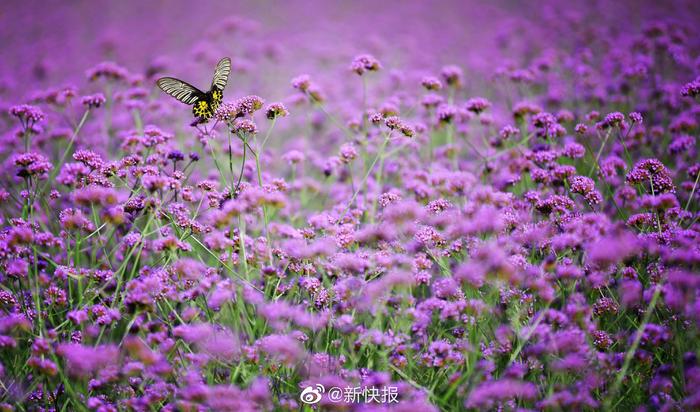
[{"x": 365, "y": 63}]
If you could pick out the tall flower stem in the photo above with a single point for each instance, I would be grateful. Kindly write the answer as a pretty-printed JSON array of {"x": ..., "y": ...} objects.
[
  {"x": 240, "y": 174},
  {"x": 596, "y": 165},
  {"x": 26, "y": 136},
  {"x": 364, "y": 104},
  {"x": 266, "y": 218},
  {"x": 256, "y": 154},
  {"x": 380, "y": 153},
  {"x": 452, "y": 152},
  {"x": 378, "y": 179},
  {"x": 633, "y": 349},
  {"x": 692, "y": 193},
  {"x": 230, "y": 164},
  {"x": 267, "y": 135},
  {"x": 215, "y": 156},
  {"x": 452, "y": 155},
  {"x": 241, "y": 240},
  {"x": 69, "y": 146}
]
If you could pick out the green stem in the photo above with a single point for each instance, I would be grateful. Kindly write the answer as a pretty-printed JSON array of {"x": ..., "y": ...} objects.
[
  {"x": 364, "y": 179},
  {"x": 26, "y": 137},
  {"x": 596, "y": 165},
  {"x": 241, "y": 240},
  {"x": 692, "y": 192},
  {"x": 378, "y": 179},
  {"x": 264, "y": 208},
  {"x": 633, "y": 349},
  {"x": 230, "y": 163},
  {"x": 214, "y": 155},
  {"x": 267, "y": 135},
  {"x": 55, "y": 170},
  {"x": 450, "y": 143},
  {"x": 137, "y": 121},
  {"x": 240, "y": 175}
]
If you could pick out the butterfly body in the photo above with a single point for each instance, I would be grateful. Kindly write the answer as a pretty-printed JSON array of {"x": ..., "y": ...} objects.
[{"x": 204, "y": 104}]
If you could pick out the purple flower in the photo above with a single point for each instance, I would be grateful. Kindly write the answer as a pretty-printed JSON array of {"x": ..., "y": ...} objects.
[
  {"x": 585, "y": 186},
  {"x": 364, "y": 63},
  {"x": 432, "y": 100},
  {"x": 294, "y": 157},
  {"x": 27, "y": 114},
  {"x": 85, "y": 361},
  {"x": 302, "y": 82},
  {"x": 176, "y": 155},
  {"x": 491, "y": 393},
  {"x": 691, "y": 89},
  {"x": 681, "y": 144},
  {"x": 248, "y": 105},
  {"x": 431, "y": 83},
  {"x": 544, "y": 120},
  {"x": 245, "y": 126},
  {"x": 636, "y": 117},
  {"x": 612, "y": 120},
  {"x": 107, "y": 70},
  {"x": 452, "y": 75},
  {"x": 89, "y": 159},
  {"x": 605, "y": 306},
  {"x": 477, "y": 105},
  {"x": 522, "y": 109},
  {"x": 275, "y": 110},
  {"x": 32, "y": 164},
  {"x": 446, "y": 113},
  {"x": 241, "y": 107},
  {"x": 653, "y": 172},
  {"x": 226, "y": 112},
  {"x": 612, "y": 249},
  {"x": 348, "y": 153},
  {"x": 282, "y": 348},
  {"x": 93, "y": 101}
]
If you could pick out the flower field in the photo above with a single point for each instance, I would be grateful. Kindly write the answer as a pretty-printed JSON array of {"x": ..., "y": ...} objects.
[{"x": 400, "y": 206}]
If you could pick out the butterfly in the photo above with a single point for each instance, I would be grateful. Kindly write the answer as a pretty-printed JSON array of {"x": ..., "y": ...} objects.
[{"x": 203, "y": 104}]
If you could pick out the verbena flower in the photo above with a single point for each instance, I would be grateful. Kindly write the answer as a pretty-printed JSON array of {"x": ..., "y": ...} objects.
[
  {"x": 431, "y": 83},
  {"x": 364, "y": 63},
  {"x": 611, "y": 120},
  {"x": 490, "y": 393},
  {"x": 248, "y": 105},
  {"x": 654, "y": 173},
  {"x": 302, "y": 82},
  {"x": 27, "y": 114},
  {"x": 691, "y": 89},
  {"x": 636, "y": 117},
  {"x": 275, "y": 110},
  {"x": 477, "y": 105},
  {"x": 245, "y": 126},
  {"x": 107, "y": 70},
  {"x": 93, "y": 101},
  {"x": 85, "y": 361},
  {"x": 453, "y": 75},
  {"x": 586, "y": 187},
  {"x": 348, "y": 153}
]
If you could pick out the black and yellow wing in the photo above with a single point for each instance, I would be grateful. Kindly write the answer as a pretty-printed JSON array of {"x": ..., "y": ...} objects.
[
  {"x": 182, "y": 91},
  {"x": 223, "y": 69},
  {"x": 204, "y": 104}
]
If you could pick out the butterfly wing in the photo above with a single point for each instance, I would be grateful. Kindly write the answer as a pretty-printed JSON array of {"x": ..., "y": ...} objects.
[
  {"x": 223, "y": 69},
  {"x": 182, "y": 91}
]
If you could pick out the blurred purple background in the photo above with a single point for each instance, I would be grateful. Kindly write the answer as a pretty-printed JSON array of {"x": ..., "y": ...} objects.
[{"x": 50, "y": 42}]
